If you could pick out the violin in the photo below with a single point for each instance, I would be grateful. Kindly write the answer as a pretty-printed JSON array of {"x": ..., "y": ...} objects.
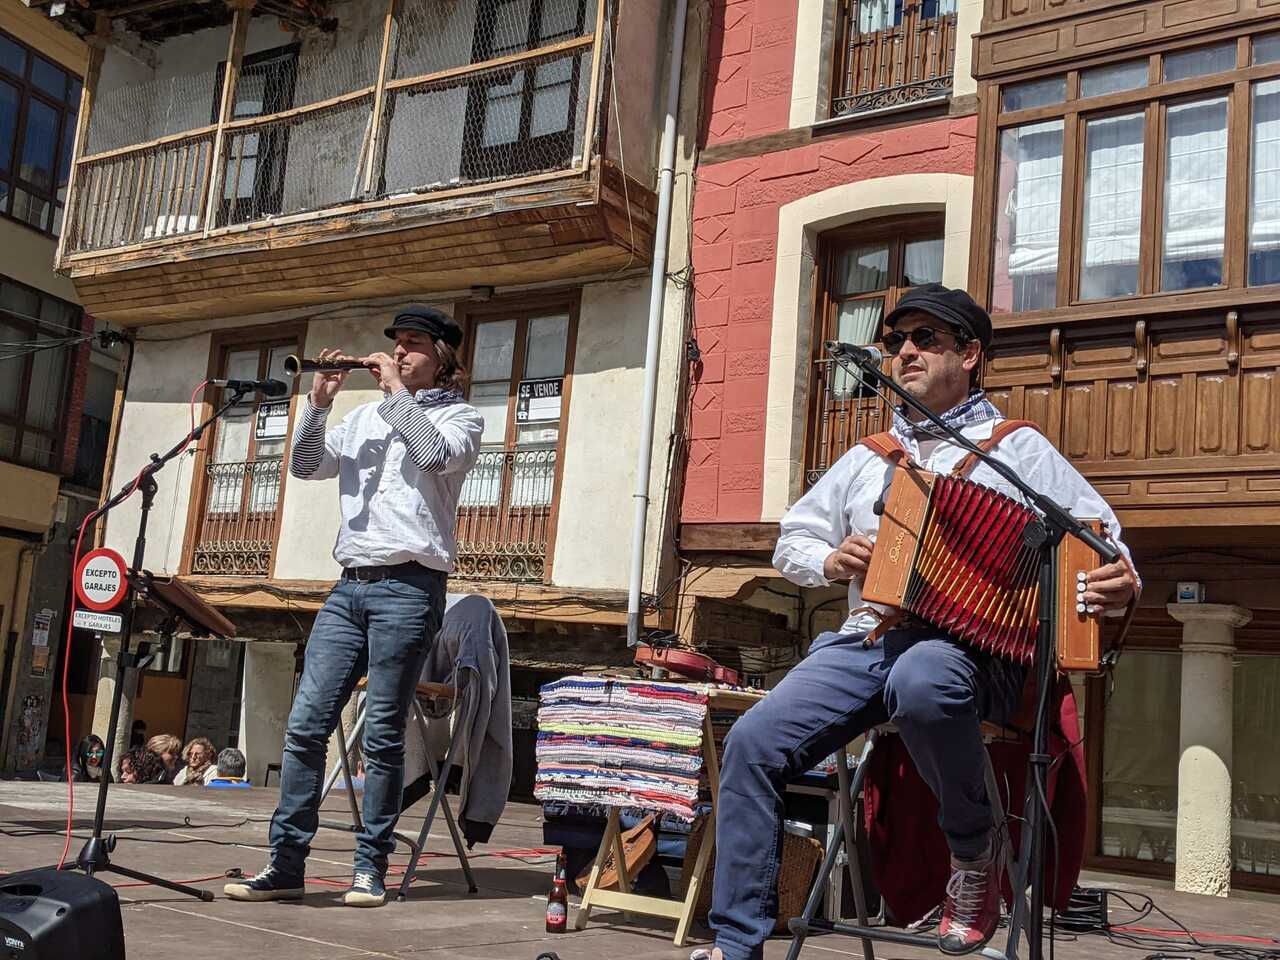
[{"x": 687, "y": 664}]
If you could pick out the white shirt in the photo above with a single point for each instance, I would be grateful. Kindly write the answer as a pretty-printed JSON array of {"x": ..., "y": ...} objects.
[
  {"x": 394, "y": 510},
  {"x": 842, "y": 502}
]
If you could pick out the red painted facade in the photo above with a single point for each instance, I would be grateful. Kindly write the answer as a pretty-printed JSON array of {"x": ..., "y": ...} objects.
[{"x": 735, "y": 235}]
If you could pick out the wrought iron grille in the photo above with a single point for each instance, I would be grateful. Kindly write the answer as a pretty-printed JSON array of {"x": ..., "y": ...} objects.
[
  {"x": 237, "y": 530},
  {"x": 840, "y": 419},
  {"x": 504, "y": 515},
  {"x": 893, "y": 53}
]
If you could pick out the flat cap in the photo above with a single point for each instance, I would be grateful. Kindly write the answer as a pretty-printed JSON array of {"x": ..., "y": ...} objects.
[
  {"x": 953, "y": 307},
  {"x": 435, "y": 323}
]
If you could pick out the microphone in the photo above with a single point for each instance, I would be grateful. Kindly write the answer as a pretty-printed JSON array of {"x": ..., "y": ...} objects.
[
  {"x": 271, "y": 388},
  {"x": 849, "y": 351}
]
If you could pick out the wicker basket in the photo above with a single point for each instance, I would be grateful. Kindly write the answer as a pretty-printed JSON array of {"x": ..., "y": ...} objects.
[{"x": 801, "y": 857}]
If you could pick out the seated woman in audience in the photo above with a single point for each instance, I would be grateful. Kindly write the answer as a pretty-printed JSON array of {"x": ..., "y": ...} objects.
[
  {"x": 86, "y": 766},
  {"x": 200, "y": 769},
  {"x": 140, "y": 765},
  {"x": 169, "y": 749}
]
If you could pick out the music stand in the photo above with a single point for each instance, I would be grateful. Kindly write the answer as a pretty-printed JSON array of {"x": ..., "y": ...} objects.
[
  {"x": 1043, "y": 536},
  {"x": 180, "y": 606}
]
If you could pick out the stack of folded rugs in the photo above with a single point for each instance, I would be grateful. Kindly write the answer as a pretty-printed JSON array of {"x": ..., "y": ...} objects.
[{"x": 624, "y": 743}]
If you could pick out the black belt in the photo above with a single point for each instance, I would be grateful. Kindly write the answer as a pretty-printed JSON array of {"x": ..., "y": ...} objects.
[{"x": 396, "y": 571}]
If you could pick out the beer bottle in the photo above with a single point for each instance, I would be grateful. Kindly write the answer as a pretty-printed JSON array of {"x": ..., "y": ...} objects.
[{"x": 558, "y": 899}]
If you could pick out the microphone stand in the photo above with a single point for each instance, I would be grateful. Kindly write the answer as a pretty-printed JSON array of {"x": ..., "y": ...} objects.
[
  {"x": 1044, "y": 536},
  {"x": 95, "y": 855}
]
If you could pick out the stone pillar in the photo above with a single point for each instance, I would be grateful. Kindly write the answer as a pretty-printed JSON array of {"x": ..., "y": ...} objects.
[
  {"x": 1204, "y": 768},
  {"x": 264, "y": 705},
  {"x": 107, "y": 664}
]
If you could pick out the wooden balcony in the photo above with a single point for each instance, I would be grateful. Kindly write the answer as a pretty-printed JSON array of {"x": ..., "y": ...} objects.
[
  {"x": 395, "y": 184},
  {"x": 892, "y": 56}
]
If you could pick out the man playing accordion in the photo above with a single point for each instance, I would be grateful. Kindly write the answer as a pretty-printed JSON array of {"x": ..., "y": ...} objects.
[{"x": 934, "y": 690}]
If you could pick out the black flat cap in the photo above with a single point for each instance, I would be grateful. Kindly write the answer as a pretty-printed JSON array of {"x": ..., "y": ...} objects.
[
  {"x": 953, "y": 307},
  {"x": 428, "y": 320}
]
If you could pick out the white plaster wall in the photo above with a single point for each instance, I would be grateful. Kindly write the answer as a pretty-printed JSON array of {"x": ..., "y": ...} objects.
[
  {"x": 264, "y": 706},
  {"x": 800, "y": 224},
  {"x": 156, "y": 416},
  {"x": 593, "y": 538},
  {"x": 28, "y": 258}
]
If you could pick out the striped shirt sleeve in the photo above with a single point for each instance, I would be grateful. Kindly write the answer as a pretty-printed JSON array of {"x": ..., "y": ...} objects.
[
  {"x": 314, "y": 456},
  {"x": 433, "y": 448}
]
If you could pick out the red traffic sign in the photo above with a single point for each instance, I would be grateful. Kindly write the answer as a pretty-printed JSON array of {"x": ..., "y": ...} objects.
[{"x": 102, "y": 579}]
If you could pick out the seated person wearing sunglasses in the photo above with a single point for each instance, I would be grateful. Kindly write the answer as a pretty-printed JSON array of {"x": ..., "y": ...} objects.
[{"x": 934, "y": 690}]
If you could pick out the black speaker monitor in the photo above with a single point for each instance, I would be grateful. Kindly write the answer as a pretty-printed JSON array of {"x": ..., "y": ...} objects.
[{"x": 55, "y": 915}]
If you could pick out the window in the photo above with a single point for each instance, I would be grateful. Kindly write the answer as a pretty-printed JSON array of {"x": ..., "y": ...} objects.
[
  {"x": 253, "y": 181},
  {"x": 524, "y": 119},
  {"x": 519, "y": 364},
  {"x": 239, "y": 493},
  {"x": 1127, "y": 197},
  {"x": 1255, "y": 776},
  {"x": 865, "y": 271},
  {"x": 1029, "y": 208},
  {"x": 38, "y": 334},
  {"x": 38, "y": 106},
  {"x": 892, "y": 53}
]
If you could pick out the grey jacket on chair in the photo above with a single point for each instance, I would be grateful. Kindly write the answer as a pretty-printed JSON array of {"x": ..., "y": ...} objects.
[{"x": 470, "y": 653}]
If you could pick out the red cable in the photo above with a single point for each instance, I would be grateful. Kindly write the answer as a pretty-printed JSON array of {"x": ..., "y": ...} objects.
[
  {"x": 66, "y": 654},
  {"x": 1197, "y": 934}
]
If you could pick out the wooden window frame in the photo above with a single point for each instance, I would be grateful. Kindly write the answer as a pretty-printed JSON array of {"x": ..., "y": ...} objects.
[
  {"x": 521, "y": 155},
  {"x": 18, "y": 420},
  {"x": 222, "y": 342},
  {"x": 897, "y": 232},
  {"x": 1075, "y": 111},
  {"x": 522, "y": 309},
  {"x": 69, "y": 106}
]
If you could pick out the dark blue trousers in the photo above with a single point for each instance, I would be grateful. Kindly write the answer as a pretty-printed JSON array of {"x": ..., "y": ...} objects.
[{"x": 935, "y": 691}]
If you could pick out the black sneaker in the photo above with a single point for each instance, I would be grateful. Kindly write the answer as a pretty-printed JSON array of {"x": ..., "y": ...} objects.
[
  {"x": 271, "y": 884},
  {"x": 366, "y": 890}
]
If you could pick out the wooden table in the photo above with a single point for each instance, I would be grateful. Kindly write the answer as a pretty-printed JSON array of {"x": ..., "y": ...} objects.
[{"x": 681, "y": 911}]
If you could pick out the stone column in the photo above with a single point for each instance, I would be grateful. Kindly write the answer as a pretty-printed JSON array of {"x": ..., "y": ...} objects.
[
  {"x": 107, "y": 664},
  {"x": 1204, "y": 768},
  {"x": 264, "y": 705}
]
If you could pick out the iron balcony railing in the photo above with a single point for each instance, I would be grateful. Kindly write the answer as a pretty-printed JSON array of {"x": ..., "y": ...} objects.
[
  {"x": 504, "y": 515},
  {"x": 236, "y": 534},
  {"x": 893, "y": 53}
]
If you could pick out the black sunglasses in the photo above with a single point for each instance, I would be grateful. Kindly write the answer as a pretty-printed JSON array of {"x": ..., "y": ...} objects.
[{"x": 922, "y": 337}]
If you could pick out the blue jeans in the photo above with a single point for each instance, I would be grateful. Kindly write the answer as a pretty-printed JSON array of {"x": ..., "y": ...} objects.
[
  {"x": 383, "y": 629},
  {"x": 935, "y": 691}
]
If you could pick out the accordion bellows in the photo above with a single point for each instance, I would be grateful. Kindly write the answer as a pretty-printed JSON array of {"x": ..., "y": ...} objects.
[{"x": 953, "y": 553}]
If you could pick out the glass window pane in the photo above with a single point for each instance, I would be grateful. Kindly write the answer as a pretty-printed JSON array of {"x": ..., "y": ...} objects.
[
  {"x": 64, "y": 154},
  {"x": 20, "y": 300},
  {"x": 1200, "y": 61},
  {"x": 551, "y": 87},
  {"x": 1264, "y": 198},
  {"x": 544, "y": 356},
  {"x": 1255, "y": 776},
  {"x": 8, "y": 123},
  {"x": 857, "y": 322},
  {"x": 1195, "y": 194},
  {"x": 8, "y": 440},
  {"x": 502, "y": 111},
  {"x": 495, "y": 344},
  {"x": 12, "y": 341},
  {"x": 1266, "y": 49},
  {"x": 236, "y": 426},
  {"x": 31, "y": 209},
  {"x": 13, "y": 57},
  {"x": 491, "y": 400},
  {"x": 37, "y": 449},
  {"x": 48, "y": 77},
  {"x": 1140, "y": 758},
  {"x": 45, "y": 392},
  {"x": 38, "y": 144},
  {"x": 922, "y": 262},
  {"x": 1112, "y": 206},
  {"x": 1113, "y": 78},
  {"x": 559, "y": 20},
  {"x": 863, "y": 269},
  {"x": 1028, "y": 210},
  {"x": 1033, "y": 93}
]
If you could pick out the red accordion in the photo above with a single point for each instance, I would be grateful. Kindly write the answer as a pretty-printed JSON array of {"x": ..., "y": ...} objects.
[{"x": 952, "y": 553}]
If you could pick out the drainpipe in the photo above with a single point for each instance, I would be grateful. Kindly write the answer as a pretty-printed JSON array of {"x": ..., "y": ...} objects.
[{"x": 657, "y": 292}]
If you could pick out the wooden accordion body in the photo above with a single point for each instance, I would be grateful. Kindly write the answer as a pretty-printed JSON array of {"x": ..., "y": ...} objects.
[{"x": 951, "y": 552}]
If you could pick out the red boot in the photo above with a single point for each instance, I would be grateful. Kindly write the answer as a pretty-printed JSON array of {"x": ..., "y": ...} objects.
[{"x": 971, "y": 912}]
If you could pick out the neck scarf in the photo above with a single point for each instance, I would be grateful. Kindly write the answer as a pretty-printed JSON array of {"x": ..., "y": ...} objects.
[
  {"x": 438, "y": 396},
  {"x": 975, "y": 408}
]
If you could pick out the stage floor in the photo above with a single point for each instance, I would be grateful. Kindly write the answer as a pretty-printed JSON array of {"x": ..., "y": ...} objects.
[{"x": 189, "y": 833}]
